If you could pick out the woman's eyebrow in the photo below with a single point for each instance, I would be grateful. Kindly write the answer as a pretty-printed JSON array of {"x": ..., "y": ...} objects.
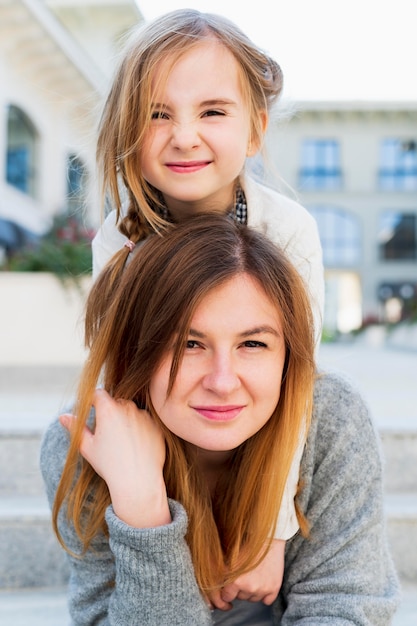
[
  {"x": 259, "y": 330},
  {"x": 256, "y": 330},
  {"x": 196, "y": 333}
]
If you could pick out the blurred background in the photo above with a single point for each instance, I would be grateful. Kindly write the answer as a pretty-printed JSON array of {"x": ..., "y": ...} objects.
[{"x": 343, "y": 141}]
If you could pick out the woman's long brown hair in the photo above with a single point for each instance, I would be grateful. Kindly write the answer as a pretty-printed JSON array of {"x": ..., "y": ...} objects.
[{"x": 152, "y": 304}]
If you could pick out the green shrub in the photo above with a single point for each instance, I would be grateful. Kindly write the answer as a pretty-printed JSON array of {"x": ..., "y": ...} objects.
[{"x": 65, "y": 250}]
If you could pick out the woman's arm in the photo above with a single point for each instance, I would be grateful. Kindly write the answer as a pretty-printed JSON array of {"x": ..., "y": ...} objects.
[
  {"x": 343, "y": 573},
  {"x": 151, "y": 568},
  {"x": 126, "y": 449}
]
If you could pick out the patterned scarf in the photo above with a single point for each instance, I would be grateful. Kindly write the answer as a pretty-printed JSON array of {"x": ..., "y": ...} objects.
[{"x": 238, "y": 213}]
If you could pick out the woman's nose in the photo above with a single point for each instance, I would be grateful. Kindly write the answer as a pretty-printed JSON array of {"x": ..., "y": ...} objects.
[{"x": 222, "y": 377}]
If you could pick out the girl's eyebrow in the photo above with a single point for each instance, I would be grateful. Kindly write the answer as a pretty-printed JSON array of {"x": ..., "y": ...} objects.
[
  {"x": 159, "y": 105},
  {"x": 218, "y": 101},
  {"x": 205, "y": 103}
]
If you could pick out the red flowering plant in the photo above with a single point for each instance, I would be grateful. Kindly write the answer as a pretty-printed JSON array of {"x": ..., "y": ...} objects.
[{"x": 65, "y": 250}]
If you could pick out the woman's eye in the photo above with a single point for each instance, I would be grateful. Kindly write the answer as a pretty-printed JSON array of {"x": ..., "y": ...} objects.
[
  {"x": 191, "y": 343},
  {"x": 251, "y": 343}
]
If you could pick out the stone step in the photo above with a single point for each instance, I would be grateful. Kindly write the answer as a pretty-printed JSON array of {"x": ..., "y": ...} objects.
[
  {"x": 48, "y": 607},
  {"x": 401, "y": 512},
  {"x": 37, "y": 607},
  {"x": 20, "y": 444},
  {"x": 30, "y": 556},
  {"x": 399, "y": 450},
  {"x": 19, "y": 463}
]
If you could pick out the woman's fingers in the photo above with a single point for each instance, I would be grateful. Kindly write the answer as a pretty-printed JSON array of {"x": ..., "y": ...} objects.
[
  {"x": 67, "y": 420},
  {"x": 217, "y": 602}
]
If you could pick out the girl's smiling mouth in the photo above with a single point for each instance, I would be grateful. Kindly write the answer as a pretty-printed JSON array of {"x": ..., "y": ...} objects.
[{"x": 186, "y": 167}]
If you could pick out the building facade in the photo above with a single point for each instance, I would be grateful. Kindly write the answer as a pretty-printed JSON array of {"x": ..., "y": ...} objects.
[
  {"x": 56, "y": 57},
  {"x": 354, "y": 167}
]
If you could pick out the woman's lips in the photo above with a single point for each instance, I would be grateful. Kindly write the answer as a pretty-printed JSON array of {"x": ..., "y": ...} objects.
[
  {"x": 187, "y": 167},
  {"x": 219, "y": 413}
]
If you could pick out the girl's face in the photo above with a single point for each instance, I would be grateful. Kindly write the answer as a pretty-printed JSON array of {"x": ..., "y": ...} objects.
[
  {"x": 200, "y": 132},
  {"x": 229, "y": 380}
]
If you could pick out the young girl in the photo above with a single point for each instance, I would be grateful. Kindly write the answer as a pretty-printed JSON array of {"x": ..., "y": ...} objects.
[
  {"x": 189, "y": 103},
  {"x": 200, "y": 405}
]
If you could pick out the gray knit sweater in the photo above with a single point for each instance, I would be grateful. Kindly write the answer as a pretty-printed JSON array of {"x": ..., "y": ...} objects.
[{"x": 342, "y": 574}]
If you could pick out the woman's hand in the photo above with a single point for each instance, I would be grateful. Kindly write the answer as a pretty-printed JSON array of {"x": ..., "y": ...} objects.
[
  {"x": 262, "y": 584},
  {"x": 127, "y": 449}
]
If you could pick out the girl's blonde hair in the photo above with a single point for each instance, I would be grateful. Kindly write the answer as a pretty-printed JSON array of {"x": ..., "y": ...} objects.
[
  {"x": 151, "y": 308},
  {"x": 127, "y": 112}
]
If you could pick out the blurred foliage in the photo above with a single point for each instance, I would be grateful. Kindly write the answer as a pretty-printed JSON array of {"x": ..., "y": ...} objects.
[
  {"x": 65, "y": 250},
  {"x": 328, "y": 336}
]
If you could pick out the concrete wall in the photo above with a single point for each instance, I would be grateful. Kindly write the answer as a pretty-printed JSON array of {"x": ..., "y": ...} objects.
[{"x": 41, "y": 321}]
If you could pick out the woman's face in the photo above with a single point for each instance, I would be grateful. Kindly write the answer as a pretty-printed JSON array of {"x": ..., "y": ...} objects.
[{"x": 229, "y": 380}]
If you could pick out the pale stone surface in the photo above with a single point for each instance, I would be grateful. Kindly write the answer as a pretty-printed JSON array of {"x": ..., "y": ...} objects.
[{"x": 41, "y": 321}]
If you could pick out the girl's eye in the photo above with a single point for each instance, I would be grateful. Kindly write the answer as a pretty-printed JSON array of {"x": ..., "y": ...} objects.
[
  {"x": 251, "y": 343},
  {"x": 212, "y": 113},
  {"x": 159, "y": 115}
]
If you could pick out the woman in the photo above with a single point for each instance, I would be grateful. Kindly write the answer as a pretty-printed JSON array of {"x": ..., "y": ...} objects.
[{"x": 206, "y": 356}]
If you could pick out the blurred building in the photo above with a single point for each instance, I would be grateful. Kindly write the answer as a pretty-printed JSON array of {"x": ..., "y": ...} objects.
[
  {"x": 354, "y": 166},
  {"x": 56, "y": 57}
]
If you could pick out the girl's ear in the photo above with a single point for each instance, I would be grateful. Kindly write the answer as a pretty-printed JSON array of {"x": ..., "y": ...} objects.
[
  {"x": 255, "y": 140},
  {"x": 263, "y": 116}
]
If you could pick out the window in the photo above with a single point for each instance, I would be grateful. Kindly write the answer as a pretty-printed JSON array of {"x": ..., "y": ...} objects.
[
  {"x": 21, "y": 151},
  {"x": 398, "y": 169},
  {"x": 399, "y": 300},
  {"x": 320, "y": 165},
  {"x": 339, "y": 235},
  {"x": 397, "y": 236}
]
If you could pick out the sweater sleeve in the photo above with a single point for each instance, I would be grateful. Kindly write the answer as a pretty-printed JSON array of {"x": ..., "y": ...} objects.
[
  {"x": 134, "y": 576},
  {"x": 343, "y": 572}
]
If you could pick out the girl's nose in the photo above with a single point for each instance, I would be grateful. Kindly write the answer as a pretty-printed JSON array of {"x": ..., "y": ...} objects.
[
  {"x": 222, "y": 377},
  {"x": 185, "y": 136}
]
